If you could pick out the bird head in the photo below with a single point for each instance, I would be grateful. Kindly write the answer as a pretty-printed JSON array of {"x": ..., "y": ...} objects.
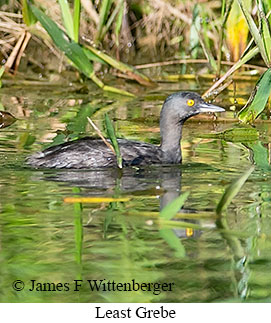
[{"x": 182, "y": 105}]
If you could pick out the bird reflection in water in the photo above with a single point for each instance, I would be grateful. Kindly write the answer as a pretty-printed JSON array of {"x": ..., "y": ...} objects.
[{"x": 164, "y": 181}]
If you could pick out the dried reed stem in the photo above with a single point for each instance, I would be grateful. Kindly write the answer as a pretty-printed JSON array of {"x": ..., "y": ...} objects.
[{"x": 101, "y": 135}]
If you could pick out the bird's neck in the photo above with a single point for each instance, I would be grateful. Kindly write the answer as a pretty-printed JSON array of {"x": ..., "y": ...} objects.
[{"x": 171, "y": 135}]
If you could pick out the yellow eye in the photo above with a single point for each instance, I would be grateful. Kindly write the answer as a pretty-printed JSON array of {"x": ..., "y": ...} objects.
[{"x": 190, "y": 102}]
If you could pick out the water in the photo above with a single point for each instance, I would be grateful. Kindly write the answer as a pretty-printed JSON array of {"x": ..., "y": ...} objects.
[{"x": 46, "y": 239}]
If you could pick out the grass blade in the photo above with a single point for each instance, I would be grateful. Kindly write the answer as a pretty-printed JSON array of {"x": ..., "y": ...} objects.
[
  {"x": 67, "y": 17},
  {"x": 171, "y": 209},
  {"x": 28, "y": 16},
  {"x": 231, "y": 191},
  {"x": 71, "y": 49},
  {"x": 78, "y": 227},
  {"x": 26, "y": 140},
  {"x": 76, "y": 123},
  {"x": 194, "y": 32},
  {"x": 173, "y": 241},
  {"x": 254, "y": 32},
  {"x": 76, "y": 19},
  {"x": 92, "y": 57},
  {"x": 206, "y": 43},
  {"x": 257, "y": 100},
  {"x": 2, "y": 70},
  {"x": 111, "y": 18},
  {"x": 265, "y": 29},
  {"x": 250, "y": 54},
  {"x": 119, "y": 22},
  {"x": 225, "y": 11},
  {"x": 117, "y": 91},
  {"x": 104, "y": 11},
  {"x": 112, "y": 135}
]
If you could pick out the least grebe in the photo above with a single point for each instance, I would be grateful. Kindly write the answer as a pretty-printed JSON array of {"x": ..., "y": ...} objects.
[{"x": 89, "y": 153}]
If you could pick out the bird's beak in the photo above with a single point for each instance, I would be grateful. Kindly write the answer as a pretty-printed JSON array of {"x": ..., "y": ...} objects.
[{"x": 206, "y": 107}]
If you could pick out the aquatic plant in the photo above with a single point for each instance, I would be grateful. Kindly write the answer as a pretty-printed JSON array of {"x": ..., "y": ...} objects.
[
  {"x": 72, "y": 49},
  {"x": 2, "y": 70},
  {"x": 262, "y": 39},
  {"x": 165, "y": 28},
  {"x": 232, "y": 190}
]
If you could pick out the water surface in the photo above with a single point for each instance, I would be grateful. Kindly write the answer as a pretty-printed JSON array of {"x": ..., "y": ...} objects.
[{"x": 46, "y": 239}]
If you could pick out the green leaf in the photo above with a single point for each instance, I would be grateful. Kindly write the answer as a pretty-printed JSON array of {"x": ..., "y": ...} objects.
[
  {"x": 104, "y": 12},
  {"x": 111, "y": 134},
  {"x": 71, "y": 49},
  {"x": 26, "y": 140},
  {"x": 117, "y": 91},
  {"x": 28, "y": 16},
  {"x": 76, "y": 19},
  {"x": 231, "y": 191},
  {"x": 260, "y": 155},
  {"x": 67, "y": 17},
  {"x": 119, "y": 21},
  {"x": 76, "y": 123},
  {"x": 111, "y": 18},
  {"x": 265, "y": 29},
  {"x": 194, "y": 32},
  {"x": 206, "y": 42},
  {"x": 171, "y": 209},
  {"x": 173, "y": 241},
  {"x": 93, "y": 57},
  {"x": 2, "y": 70},
  {"x": 78, "y": 227},
  {"x": 254, "y": 32},
  {"x": 257, "y": 100}
]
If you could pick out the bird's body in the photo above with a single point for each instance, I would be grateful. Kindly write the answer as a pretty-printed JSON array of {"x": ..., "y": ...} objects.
[{"x": 91, "y": 153}]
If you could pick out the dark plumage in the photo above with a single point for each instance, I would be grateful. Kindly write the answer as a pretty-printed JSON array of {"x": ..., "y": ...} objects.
[{"x": 90, "y": 153}]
